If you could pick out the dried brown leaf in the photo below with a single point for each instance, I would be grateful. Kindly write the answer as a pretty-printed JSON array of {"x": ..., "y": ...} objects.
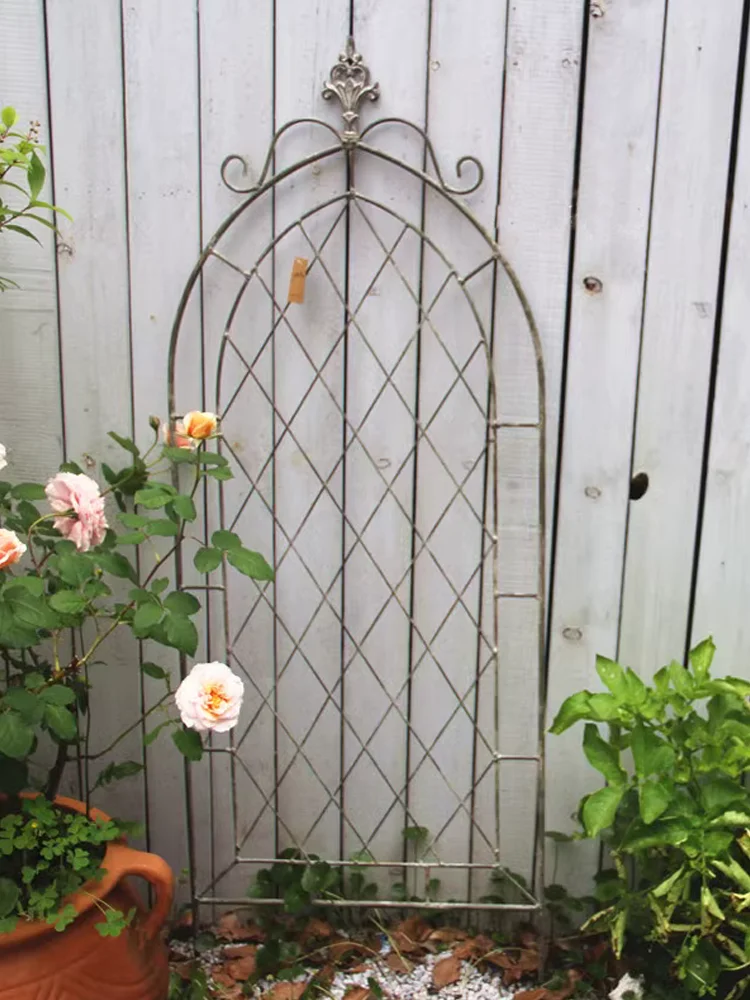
[
  {"x": 240, "y": 951},
  {"x": 398, "y": 964},
  {"x": 447, "y": 935},
  {"x": 358, "y": 993},
  {"x": 228, "y": 988},
  {"x": 286, "y": 991},
  {"x": 231, "y": 928},
  {"x": 338, "y": 950},
  {"x": 362, "y": 967},
  {"x": 183, "y": 969},
  {"x": 406, "y": 945},
  {"x": 317, "y": 929},
  {"x": 409, "y": 936},
  {"x": 466, "y": 951},
  {"x": 241, "y": 968},
  {"x": 446, "y": 971},
  {"x": 539, "y": 993}
]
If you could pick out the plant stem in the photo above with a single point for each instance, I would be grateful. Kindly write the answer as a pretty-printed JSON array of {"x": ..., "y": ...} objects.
[
  {"x": 139, "y": 720},
  {"x": 56, "y": 771}
]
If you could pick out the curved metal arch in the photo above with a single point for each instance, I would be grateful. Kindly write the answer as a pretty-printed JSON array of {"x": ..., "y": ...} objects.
[{"x": 350, "y": 144}]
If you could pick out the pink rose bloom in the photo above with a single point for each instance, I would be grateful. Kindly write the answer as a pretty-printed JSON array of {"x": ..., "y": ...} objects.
[
  {"x": 81, "y": 507},
  {"x": 210, "y": 697}
]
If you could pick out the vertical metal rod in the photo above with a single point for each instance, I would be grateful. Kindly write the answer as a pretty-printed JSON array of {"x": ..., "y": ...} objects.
[
  {"x": 416, "y": 450},
  {"x": 274, "y": 431},
  {"x": 344, "y": 453}
]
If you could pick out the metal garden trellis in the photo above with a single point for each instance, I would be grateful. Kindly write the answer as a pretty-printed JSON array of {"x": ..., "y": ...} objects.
[{"x": 254, "y": 347}]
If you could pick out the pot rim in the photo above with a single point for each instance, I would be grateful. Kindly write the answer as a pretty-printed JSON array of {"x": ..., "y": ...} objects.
[{"x": 82, "y": 900}]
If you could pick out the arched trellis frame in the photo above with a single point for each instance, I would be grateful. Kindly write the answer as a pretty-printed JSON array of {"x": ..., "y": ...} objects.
[{"x": 350, "y": 85}]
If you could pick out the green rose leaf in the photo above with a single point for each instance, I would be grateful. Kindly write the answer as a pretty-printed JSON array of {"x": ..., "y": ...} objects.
[
  {"x": 117, "y": 565},
  {"x": 74, "y": 568},
  {"x": 211, "y": 458},
  {"x": 163, "y": 528},
  {"x": 62, "y": 722},
  {"x": 14, "y": 634},
  {"x": 252, "y": 564},
  {"x": 133, "y": 520},
  {"x": 184, "y": 507},
  {"x": 188, "y": 742},
  {"x": 180, "y": 456},
  {"x": 226, "y": 540},
  {"x": 153, "y": 497},
  {"x": 31, "y": 610},
  {"x": 28, "y": 491},
  {"x": 16, "y": 736},
  {"x": 116, "y": 772},
  {"x": 68, "y": 602},
  {"x": 206, "y": 560},
  {"x": 34, "y": 584},
  {"x": 28, "y": 705},
  {"x": 600, "y": 809},
  {"x": 182, "y": 603},
  {"x": 221, "y": 474},
  {"x": 57, "y": 694},
  {"x": 146, "y": 616},
  {"x": 182, "y": 634},
  {"x": 131, "y": 538},
  {"x": 127, "y": 443},
  {"x": 153, "y": 670}
]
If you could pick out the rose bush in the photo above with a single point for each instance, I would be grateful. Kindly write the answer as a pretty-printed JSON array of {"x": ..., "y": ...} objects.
[{"x": 67, "y": 589}]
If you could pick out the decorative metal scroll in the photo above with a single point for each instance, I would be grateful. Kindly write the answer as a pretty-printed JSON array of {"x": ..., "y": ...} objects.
[{"x": 377, "y": 677}]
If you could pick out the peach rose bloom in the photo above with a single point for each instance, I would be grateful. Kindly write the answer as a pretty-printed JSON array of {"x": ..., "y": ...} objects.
[
  {"x": 179, "y": 439},
  {"x": 77, "y": 499},
  {"x": 200, "y": 425},
  {"x": 3, "y": 456},
  {"x": 210, "y": 697},
  {"x": 11, "y": 548}
]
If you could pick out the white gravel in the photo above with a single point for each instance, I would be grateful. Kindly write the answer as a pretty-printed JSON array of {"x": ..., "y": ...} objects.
[
  {"x": 414, "y": 985},
  {"x": 417, "y": 984}
]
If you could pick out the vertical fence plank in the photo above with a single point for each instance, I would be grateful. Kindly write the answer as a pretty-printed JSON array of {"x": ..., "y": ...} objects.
[
  {"x": 542, "y": 72},
  {"x": 30, "y": 404},
  {"x": 723, "y": 588},
  {"x": 163, "y": 197},
  {"x": 84, "y": 45},
  {"x": 237, "y": 117},
  {"x": 613, "y": 208},
  {"x": 695, "y": 127},
  {"x": 377, "y": 596},
  {"x": 308, "y": 474},
  {"x": 449, "y": 653}
]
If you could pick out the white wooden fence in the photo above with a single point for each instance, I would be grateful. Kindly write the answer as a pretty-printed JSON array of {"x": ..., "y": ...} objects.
[{"x": 617, "y": 150}]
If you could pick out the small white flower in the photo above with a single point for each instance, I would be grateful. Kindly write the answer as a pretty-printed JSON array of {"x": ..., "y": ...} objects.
[
  {"x": 210, "y": 697},
  {"x": 629, "y": 988},
  {"x": 3, "y": 456}
]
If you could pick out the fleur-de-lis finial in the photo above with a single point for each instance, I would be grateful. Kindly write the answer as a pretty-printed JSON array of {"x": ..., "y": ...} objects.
[{"x": 350, "y": 83}]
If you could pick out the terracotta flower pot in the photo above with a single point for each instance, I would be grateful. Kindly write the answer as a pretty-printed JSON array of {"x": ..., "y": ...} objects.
[{"x": 39, "y": 963}]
